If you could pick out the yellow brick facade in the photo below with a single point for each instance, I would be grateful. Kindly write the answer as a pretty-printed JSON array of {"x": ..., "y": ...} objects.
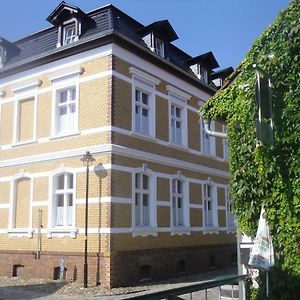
[{"x": 105, "y": 129}]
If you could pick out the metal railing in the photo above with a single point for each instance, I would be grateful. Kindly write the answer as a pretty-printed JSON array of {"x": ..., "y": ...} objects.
[{"x": 189, "y": 291}]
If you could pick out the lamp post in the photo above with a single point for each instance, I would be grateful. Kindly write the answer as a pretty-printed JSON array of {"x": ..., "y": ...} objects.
[{"x": 87, "y": 160}]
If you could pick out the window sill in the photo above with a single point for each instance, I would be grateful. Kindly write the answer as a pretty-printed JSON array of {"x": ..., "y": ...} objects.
[
  {"x": 210, "y": 155},
  {"x": 24, "y": 143},
  {"x": 63, "y": 135},
  {"x": 62, "y": 232},
  {"x": 177, "y": 146},
  {"x": 143, "y": 136},
  {"x": 20, "y": 232},
  {"x": 144, "y": 231},
  {"x": 180, "y": 230},
  {"x": 231, "y": 229},
  {"x": 211, "y": 230}
]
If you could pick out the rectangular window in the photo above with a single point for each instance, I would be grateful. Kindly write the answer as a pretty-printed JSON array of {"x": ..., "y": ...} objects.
[
  {"x": 177, "y": 203},
  {"x": 69, "y": 34},
  {"x": 230, "y": 217},
  {"x": 66, "y": 110},
  {"x": 142, "y": 110},
  {"x": 63, "y": 200},
  {"x": 176, "y": 124},
  {"x": 25, "y": 120},
  {"x": 225, "y": 145},
  {"x": 208, "y": 206},
  {"x": 207, "y": 141},
  {"x": 159, "y": 47},
  {"x": 142, "y": 198},
  {"x": 203, "y": 74}
]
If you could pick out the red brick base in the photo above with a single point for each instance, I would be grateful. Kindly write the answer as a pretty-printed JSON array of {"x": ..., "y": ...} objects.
[
  {"x": 129, "y": 268},
  {"x": 20, "y": 263},
  {"x": 121, "y": 268}
]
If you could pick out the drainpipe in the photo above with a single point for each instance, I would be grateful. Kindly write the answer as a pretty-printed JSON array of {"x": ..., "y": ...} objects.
[{"x": 210, "y": 132}]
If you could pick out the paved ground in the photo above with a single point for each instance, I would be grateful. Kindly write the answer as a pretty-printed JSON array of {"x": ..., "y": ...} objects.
[{"x": 35, "y": 289}]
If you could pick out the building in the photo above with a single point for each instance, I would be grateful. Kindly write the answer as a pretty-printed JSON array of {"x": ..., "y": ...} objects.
[{"x": 158, "y": 201}]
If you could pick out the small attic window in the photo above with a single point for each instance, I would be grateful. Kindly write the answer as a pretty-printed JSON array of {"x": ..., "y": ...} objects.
[
  {"x": 159, "y": 47},
  {"x": 1, "y": 57},
  {"x": 71, "y": 22},
  {"x": 69, "y": 34},
  {"x": 201, "y": 72}
]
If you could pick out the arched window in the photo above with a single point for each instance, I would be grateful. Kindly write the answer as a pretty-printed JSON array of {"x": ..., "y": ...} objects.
[{"x": 63, "y": 198}]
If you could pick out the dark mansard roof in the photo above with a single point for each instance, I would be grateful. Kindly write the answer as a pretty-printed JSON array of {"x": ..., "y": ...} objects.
[{"x": 101, "y": 26}]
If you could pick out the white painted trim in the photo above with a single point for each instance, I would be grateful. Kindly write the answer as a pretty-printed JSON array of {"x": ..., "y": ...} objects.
[
  {"x": 163, "y": 203},
  {"x": 33, "y": 84},
  {"x": 167, "y": 161},
  {"x": 158, "y": 72},
  {"x": 39, "y": 203},
  {"x": 72, "y": 71},
  {"x": 178, "y": 92},
  {"x": 62, "y": 232},
  {"x": 197, "y": 206},
  {"x": 20, "y": 232},
  {"x": 111, "y": 148},
  {"x": 58, "y": 65},
  {"x": 73, "y": 232},
  {"x": 12, "y": 199},
  {"x": 144, "y": 76},
  {"x": 4, "y": 205},
  {"x": 119, "y": 200}
]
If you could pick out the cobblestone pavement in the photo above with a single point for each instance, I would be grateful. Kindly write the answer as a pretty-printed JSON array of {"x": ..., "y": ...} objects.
[{"x": 35, "y": 289}]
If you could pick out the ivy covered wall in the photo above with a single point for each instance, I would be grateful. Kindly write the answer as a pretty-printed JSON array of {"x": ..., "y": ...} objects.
[{"x": 268, "y": 175}]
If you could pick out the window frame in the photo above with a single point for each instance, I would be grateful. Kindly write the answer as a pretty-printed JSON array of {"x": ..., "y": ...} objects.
[
  {"x": 225, "y": 145},
  {"x": 210, "y": 141},
  {"x": 231, "y": 226},
  {"x": 177, "y": 229},
  {"x": 68, "y": 104},
  {"x": 23, "y": 92},
  {"x": 2, "y": 56},
  {"x": 145, "y": 83},
  {"x": 19, "y": 232},
  {"x": 178, "y": 98},
  {"x": 63, "y": 81},
  {"x": 174, "y": 120},
  {"x": 72, "y": 38},
  {"x": 151, "y": 228},
  {"x": 61, "y": 230},
  {"x": 159, "y": 47},
  {"x": 213, "y": 227}
]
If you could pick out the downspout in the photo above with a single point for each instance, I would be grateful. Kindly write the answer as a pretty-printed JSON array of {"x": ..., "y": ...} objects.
[{"x": 210, "y": 132}]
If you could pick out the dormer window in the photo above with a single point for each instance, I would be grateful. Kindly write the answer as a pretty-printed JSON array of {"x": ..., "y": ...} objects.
[
  {"x": 201, "y": 72},
  {"x": 69, "y": 34},
  {"x": 202, "y": 66},
  {"x": 157, "y": 37},
  {"x": 159, "y": 47},
  {"x": 1, "y": 57},
  {"x": 71, "y": 22}
]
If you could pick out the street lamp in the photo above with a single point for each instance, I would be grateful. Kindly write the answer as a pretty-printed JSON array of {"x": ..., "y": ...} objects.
[{"x": 87, "y": 160}]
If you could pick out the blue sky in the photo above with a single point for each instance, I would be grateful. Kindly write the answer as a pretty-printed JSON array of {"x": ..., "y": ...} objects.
[{"x": 228, "y": 28}]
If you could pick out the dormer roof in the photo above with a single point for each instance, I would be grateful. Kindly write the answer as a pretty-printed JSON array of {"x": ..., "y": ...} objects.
[
  {"x": 65, "y": 11},
  {"x": 222, "y": 73},
  {"x": 162, "y": 29},
  {"x": 10, "y": 48},
  {"x": 207, "y": 59}
]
